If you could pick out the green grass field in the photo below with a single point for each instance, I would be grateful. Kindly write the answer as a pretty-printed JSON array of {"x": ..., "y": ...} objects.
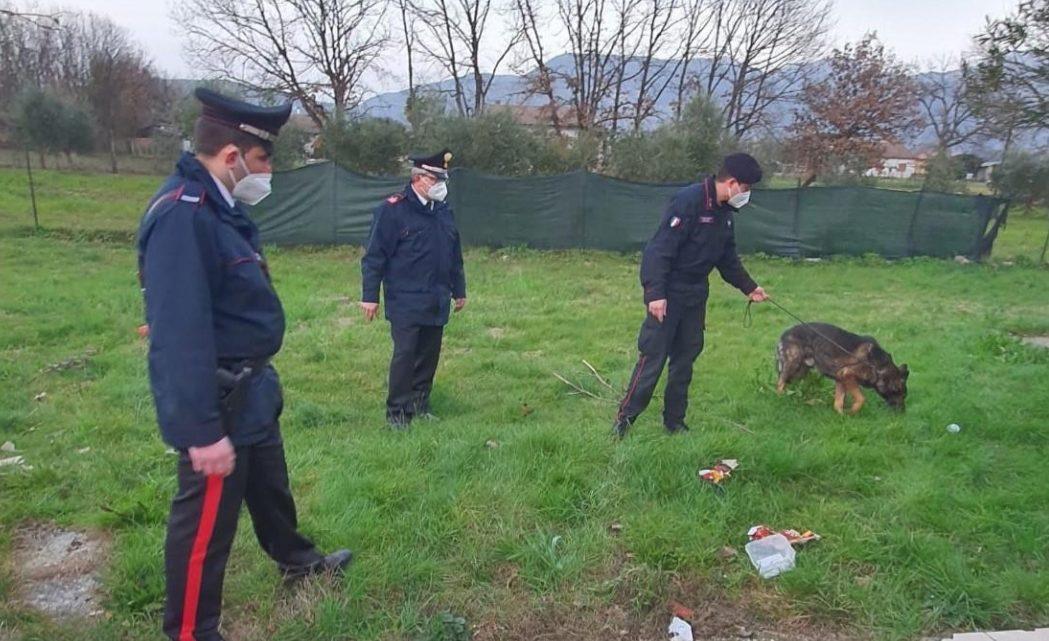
[{"x": 924, "y": 531}]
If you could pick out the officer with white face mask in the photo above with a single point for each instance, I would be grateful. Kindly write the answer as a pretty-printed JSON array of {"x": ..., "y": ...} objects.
[
  {"x": 215, "y": 321},
  {"x": 695, "y": 236},
  {"x": 415, "y": 255}
]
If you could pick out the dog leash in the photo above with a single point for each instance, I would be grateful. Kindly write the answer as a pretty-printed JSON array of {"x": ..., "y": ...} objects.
[{"x": 748, "y": 320}]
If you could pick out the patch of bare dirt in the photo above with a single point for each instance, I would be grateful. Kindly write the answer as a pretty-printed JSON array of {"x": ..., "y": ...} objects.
[
  {"x": 1036, "y": 341},
  {"x": 57, "y": 570},
  {"x": 713, "y": 617}
]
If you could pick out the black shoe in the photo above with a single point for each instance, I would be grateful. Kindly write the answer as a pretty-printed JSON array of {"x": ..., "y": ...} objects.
[
  {"x": 621, "y": 426},
  {"x": 334, "y": 564},
  {"x": 676, "y": 427},
  {"x": 399, "y": 421}
]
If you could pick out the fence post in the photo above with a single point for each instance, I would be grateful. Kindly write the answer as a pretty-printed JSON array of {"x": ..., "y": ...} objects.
[
  {"x": 914, "y": 219},
  {"x": 1045, "y": 246},
  {"x": 797, "y": 219},
  {"x": 32, "y": 188}
]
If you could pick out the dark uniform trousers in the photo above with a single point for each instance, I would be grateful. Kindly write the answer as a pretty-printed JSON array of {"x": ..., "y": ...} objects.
[
  {"x": 416, "y": 352},
  {"x": 201, "y": 527},
  {"x": 678, "y": 338}
]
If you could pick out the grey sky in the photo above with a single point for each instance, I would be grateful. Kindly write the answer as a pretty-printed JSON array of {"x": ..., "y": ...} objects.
[{"x": 917, "y": 30}]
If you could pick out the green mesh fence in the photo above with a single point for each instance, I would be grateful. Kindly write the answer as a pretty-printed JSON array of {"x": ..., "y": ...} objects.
[{"x": 326, "y": 204}]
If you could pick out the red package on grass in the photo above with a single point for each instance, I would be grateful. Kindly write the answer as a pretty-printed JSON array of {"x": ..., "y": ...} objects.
[
  {"x": 793, "y": 536},
  {"x": 719, "y": 472}
]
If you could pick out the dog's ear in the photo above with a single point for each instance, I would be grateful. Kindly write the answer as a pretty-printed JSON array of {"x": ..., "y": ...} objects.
[
  {"x": 864, "y": 350},
  {"x": 904, "y": 371}
]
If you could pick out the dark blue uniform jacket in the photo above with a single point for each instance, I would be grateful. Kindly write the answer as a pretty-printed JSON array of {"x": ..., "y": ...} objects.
[
  {"x": 209, "y": 301},
  {"x": 414, "y": 251},
  {"x": 695, "y": 236}
]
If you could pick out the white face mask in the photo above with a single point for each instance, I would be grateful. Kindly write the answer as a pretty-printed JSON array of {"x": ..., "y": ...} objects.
[
  {"x": 739, "y": 200},
  {"x": 252, "y": 188},
  {"x": 438, "y": 192}
]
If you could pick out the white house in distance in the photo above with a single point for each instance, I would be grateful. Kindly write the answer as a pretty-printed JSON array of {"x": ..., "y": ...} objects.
[{"x": 898, "y": 161}]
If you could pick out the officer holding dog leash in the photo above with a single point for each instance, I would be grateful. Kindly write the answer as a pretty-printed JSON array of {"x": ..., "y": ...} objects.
[{"x": 695, "y": 236}]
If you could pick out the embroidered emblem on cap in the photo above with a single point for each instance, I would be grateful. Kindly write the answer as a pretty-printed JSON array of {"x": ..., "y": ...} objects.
[{"x": 674, "y": 222}]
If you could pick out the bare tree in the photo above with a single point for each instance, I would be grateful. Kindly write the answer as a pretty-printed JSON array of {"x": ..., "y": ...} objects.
[
  {"x": 945, "y": 101},
  {"x": 658, "y": 62},
  {"x": 593, "y": 39},
  {"x": 121, "y": 87},
  {"x": 460, "y": 30},
  {"x": 695, "y": 29},
  {"x": 530, "y": 26},
  {"x": 628, "y": 25},
  {"x": 408, "y": 34},
  {"x": 316, "y": 51},
  {"x": 763, "y": 48}
]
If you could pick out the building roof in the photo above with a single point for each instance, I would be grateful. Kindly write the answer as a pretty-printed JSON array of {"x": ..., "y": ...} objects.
[
  {"x": 897, "y": 150},
  {"x": 542, "y": 116}
]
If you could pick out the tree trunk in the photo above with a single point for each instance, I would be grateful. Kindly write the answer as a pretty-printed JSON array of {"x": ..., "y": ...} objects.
[
  {"x": 112, "y": 153},
  {"x": 43, "y": 162}
]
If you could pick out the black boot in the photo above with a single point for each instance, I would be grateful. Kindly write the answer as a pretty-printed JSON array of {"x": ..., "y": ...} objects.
[
  {"x": 398, "y": 421},
  {"x": 622, "y": 425},
  {"x": 676, "y": 427},
  {"x": 335, "y": 563}
]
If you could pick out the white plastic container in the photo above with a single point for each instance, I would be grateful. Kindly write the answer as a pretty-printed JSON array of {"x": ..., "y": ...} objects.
[{"x": 772, "y": 555}]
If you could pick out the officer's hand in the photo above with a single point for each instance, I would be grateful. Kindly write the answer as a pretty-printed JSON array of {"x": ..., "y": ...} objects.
[
  {"x": 215, "y": 459},
  {"x": 758, "y": 295},
  {"x": 460, "y": 303},
  {"x": 370, "y": 310},
  {"x": 658, "y": 308}
]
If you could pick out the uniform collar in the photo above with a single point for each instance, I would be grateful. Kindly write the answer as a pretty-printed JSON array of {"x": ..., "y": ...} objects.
[
  {"x": 228, "y": 197},
  {"x": 190, "y": 168},
  {"x": 422, "y": 199},
  {"x": 417, "y": 201},
  {"x": 710, "y": 196}
]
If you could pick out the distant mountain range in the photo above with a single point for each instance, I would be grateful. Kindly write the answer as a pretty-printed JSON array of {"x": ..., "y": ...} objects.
[{"x": 512, "y": 89}]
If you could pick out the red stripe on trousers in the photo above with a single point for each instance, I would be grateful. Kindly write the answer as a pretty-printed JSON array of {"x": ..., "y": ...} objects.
[
  {"x": 194, "y": 574},
  {"x": 633, "y": 387}
]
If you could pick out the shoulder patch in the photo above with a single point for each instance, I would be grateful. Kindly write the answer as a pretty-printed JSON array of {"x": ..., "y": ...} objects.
[{"x": 396, "y": 198}]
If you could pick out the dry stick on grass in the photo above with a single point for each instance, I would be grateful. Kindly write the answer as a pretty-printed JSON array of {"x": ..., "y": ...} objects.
[
  {"x": 600, "y": 378},
  {"x": 580, "y": 390},
  {"x": 739, "y": 426}
]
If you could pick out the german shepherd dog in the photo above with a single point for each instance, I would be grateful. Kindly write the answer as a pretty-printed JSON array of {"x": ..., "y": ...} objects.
[{"x": 853, "y": 362}]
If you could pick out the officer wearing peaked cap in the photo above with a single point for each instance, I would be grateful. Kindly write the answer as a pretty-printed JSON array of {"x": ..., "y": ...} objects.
[
  {"x": 694, "y": 237},
  {"x": 415, "y": 255},
  {"x": 214, "y": 322}
]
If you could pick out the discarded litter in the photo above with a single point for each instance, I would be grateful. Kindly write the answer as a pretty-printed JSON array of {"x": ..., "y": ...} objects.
[
  {"x": 8, "y": 446},
  {"x": 40, "y": 397},
  {"x": 15, "y": 461},
  {"x": 954, "y": 428},
  {"x": 771, "y": 555},
  {"x": 718, "y": 472},
  {"x": 793, "y": 536},
  {"x": 679, "y": 630},
  {"x": 680, "y": 611},
  {"x": 83, "y": 450},
  {"x": 491, "y": 444}
]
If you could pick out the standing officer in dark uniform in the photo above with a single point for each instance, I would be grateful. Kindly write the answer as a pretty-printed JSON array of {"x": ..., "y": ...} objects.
[
  {"x": 694, "y": 237},
  {"x": 214, "y": 323},
  {"x": 415, "y": 253}
]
